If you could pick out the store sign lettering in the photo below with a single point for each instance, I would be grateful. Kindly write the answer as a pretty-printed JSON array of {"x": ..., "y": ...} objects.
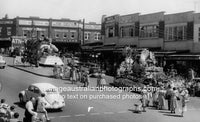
[
  {"x": 25, "y": 22},
  {"x": 41, "y": 23},
  {"x": 69, "y": 41},
  {"x": 65, "y": 24},
  {"x": 6, "y": 22}
]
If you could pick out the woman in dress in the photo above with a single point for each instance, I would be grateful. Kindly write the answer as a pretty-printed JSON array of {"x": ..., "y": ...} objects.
[
  {"x": 161, "y": 98},
  {"x": 184, "y": 100},
  {"x": 174, "y": 98}
]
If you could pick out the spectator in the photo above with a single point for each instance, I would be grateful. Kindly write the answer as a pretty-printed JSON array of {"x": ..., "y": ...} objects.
[
  {"x": 11, "y": 112},
  {"x": 174, "y": 98},
  {"x": 184, "y": 100},
  {"x": 103, "y": 80},
  {"x": 168, "y": 95},
  {"x": 161, "y": 98},
  {"x": 41, "y": 105},
  {"x": 29, "y": 113},
  {"x": 144, "y": 99},
  {"x": 15, "y": 118}
]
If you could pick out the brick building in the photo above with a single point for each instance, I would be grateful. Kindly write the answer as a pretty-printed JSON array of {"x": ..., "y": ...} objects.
[
  {"x": 66, "y": 34},
  {"x": 174, "y": 38}
]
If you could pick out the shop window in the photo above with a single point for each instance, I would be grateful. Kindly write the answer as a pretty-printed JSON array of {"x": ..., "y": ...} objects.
[
  {"x": 97, "y": 36},
  {"x": 8, "y": 31}
]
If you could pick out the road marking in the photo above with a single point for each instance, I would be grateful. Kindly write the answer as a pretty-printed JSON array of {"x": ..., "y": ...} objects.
[
  {"x": 122, "y": 112},
  {"x": 108, "y": 112},
  {"x": 80, "y": 115},
  {"x": 65, "y": 116},
  {"x": 94, "y": 113}
]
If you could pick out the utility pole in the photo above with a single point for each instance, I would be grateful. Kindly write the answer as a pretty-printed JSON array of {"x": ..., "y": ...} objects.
[{"x": 83, "y": 37}]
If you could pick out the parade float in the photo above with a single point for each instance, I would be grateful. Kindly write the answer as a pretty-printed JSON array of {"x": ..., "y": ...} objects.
[
  {"x": 41, "y": 51},
  {"x": 138, "y": 69}
]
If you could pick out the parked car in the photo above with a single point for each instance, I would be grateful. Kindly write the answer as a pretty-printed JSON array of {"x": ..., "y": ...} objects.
[
  {"x": 2, "y": 62},
  {"x": 53, "y": 98},
  {"x": 93, "y": 69}
]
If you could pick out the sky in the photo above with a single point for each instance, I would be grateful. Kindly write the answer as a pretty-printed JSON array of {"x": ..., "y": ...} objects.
[{"x": 92, "y": 10}]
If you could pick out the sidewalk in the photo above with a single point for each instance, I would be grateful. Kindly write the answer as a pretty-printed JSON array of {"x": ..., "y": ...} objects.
[{"x": 40, "y": 71}]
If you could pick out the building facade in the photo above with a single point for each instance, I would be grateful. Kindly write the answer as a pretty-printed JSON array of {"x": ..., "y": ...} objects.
[
  {"x": 7, "y": 29},
  {"x": 68, "y": 35},
  {"x": 174, "y": 38}
]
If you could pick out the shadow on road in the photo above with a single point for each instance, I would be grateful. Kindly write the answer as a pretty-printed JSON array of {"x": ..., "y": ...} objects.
[
  {"x": 21, "y": 105},
  {"x": 173, "y": 115},
  {"x": 166, "y": 112},
  {"x": 134, "y": 111}
]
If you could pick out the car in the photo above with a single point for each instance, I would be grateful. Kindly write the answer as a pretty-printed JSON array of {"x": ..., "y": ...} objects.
[
  {"x": 94, "y": 69},
  {"x": 2, "y": 62},
  {"x": 54, "y": 100}
]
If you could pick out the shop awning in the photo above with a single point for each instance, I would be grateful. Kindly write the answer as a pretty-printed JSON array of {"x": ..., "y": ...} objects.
[{"x": 183, "y": 57}]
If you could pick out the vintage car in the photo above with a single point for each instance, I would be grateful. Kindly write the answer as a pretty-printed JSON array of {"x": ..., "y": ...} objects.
[
  {"x": 54, "y": 100},
  {"x": 93, "y": 69},
  {"x": 2, "y": 62}
]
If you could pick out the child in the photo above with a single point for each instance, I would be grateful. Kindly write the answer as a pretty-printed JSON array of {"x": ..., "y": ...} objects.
[{"x": 144, "y": 100}]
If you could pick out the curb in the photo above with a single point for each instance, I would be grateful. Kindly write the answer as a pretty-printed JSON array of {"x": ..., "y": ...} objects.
[{"x": 16, "y": 67}]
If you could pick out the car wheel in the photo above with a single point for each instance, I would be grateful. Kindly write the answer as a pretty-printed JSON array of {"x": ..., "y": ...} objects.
[{"x": 21, "y": 98}]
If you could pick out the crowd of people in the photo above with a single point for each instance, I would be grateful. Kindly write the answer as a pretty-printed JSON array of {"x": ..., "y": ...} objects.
[
  {"x": 8, "y": 113},
  {"x": 76, "y": 74},
  {"x": 168, "y": 96},
  {"x": 34, "y": 111}
]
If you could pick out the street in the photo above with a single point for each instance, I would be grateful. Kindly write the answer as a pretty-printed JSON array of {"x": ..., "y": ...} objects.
[{"x": 76, "y": 109}]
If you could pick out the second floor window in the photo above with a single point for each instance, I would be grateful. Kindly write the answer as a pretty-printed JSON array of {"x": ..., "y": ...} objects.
[
  {"x": 87, "y": 35},
  {"x": 9, "y": 31},
  {"x": 127, "y": 31},
  {"x": 149, "y": 31},
  {"x": 199, "y": 35},
  {"x": 110, "y": 32},
  {"x": 97, "y": 36},
  {"x": 0, "y": 30},
  {"x": 175, "y": 33}
]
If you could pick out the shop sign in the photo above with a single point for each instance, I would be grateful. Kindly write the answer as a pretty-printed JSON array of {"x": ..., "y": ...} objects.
[
  {"x": 93, "y": 27},
  {"x": 41, "y": 23},
  {"x": 17, "y": 40},
  {"x": 67, "y": 40},
  {"x": 111, "y": 19},
  {"x": 25, "y": 22},
  {"x": 6, "y": 22},
  {"x": 65, "y": 24}
]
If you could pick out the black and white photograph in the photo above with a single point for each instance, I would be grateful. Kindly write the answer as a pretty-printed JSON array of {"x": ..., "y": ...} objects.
[{"x": 99, "y": 60}]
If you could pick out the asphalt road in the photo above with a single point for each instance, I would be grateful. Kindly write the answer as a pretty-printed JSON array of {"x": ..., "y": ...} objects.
[{"x": 103, "y": 110}]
